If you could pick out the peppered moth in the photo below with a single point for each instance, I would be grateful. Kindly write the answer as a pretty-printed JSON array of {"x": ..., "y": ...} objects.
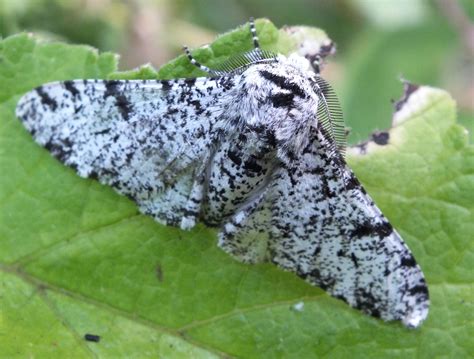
[{"x": 257, "y": 149}]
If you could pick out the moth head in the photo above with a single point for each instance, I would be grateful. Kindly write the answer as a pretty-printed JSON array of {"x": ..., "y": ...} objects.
[
  {"x": 287, "y": 98},
  {"x": 329, "y": 117},
  {"x": 275, "y": 98},
  {"x": 283, "y": 86}
]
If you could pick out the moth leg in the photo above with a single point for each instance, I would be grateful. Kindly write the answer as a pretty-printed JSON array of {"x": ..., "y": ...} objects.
[
  {"x": 245, "y": 235},
  {"x": 192, "y": 208}
]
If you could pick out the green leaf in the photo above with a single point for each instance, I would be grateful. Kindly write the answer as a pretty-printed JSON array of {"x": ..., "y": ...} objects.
[{"x": 78, "y": 258}]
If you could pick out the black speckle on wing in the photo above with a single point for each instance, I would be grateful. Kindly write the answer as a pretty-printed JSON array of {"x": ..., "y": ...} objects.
[
  {"x": 113, "y": 89},
  {"x": 69, "y": 85},
  {"x": 284, "y": 83},
  {"x": 166, "y": 85},
  {"x": 367, "y": 228},
  {"x": 282, "y": 100},
  {"x": 124, "y": 106},
  {"x": 408, "y": 261},
  {"x": 46, "y": 99}
]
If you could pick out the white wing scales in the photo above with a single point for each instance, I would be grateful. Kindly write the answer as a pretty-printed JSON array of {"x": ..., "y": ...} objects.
[{"x": 137, "y": 136}]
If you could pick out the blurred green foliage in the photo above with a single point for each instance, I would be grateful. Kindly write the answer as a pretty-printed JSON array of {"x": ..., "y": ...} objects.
[
  {"x": 379, "y": 41},
  {"x": 65, "y": 20}
]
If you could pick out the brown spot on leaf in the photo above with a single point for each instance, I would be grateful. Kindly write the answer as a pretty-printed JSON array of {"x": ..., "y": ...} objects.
[
  {"x": 159, "y": 272},
  {"x": 408, "y": 90},
  {"x": 381, "y": 138}
]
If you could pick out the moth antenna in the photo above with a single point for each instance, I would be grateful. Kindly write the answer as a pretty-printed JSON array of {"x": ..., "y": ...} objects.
[
  {"x": 253, "y": 31},
  {"x": 238, "y": 62},
  {"x": 193, "y": 61},
  {"x": 198, "y": 64}
]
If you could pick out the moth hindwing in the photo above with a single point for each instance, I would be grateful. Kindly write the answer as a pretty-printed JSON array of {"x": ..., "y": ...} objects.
[{"x": 255, "y": 149}]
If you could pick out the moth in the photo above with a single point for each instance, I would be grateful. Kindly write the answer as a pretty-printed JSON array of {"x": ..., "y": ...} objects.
[{"x": 256, "y": 148}]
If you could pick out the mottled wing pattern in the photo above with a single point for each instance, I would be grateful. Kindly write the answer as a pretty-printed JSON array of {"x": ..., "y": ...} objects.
[
  {"x": 147, "y": 139},
  {"x": 246, "y": 234},
  {"x": 327, "y": 230}
]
